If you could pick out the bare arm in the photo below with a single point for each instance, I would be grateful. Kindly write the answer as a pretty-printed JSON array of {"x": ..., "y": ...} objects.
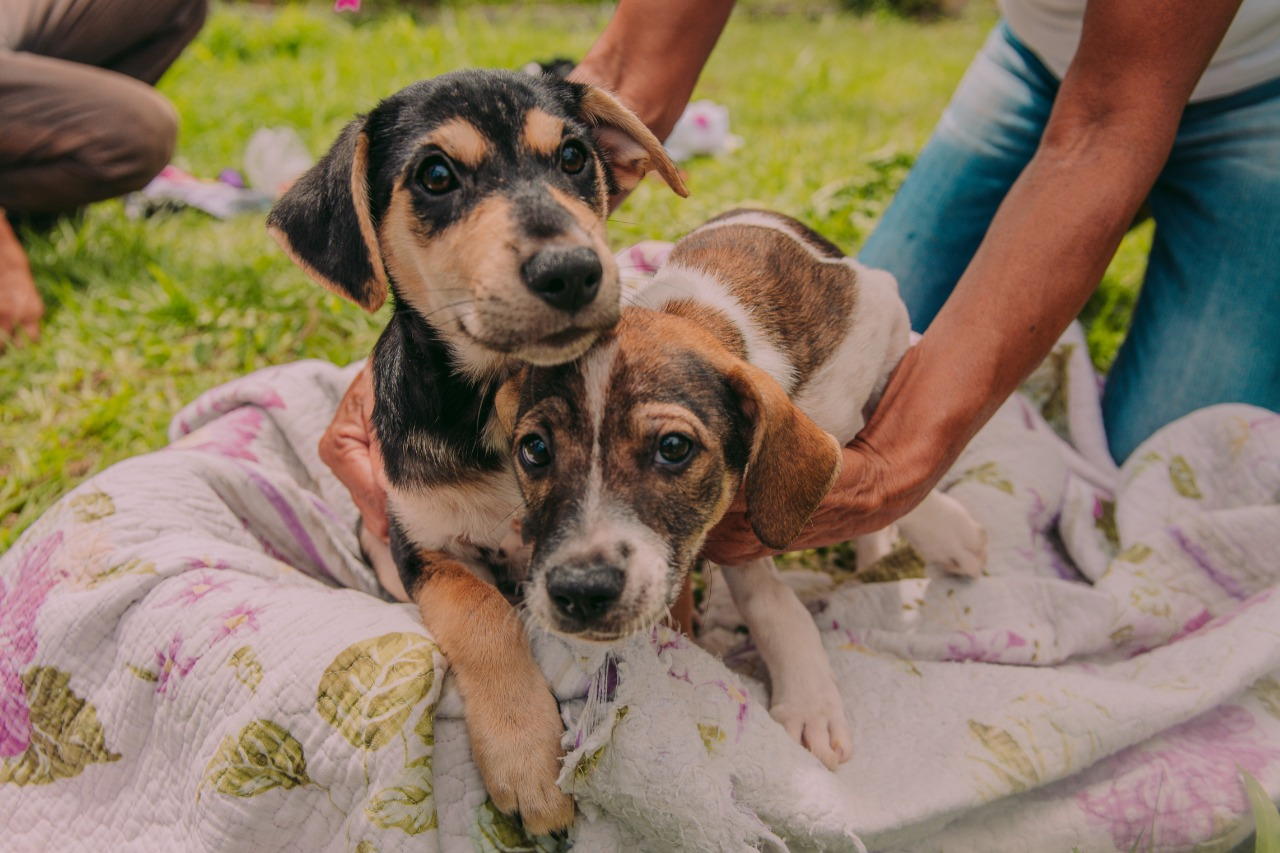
[
  {"x": 1110, "y": 132},
  {"x": 651, "y": 54}
]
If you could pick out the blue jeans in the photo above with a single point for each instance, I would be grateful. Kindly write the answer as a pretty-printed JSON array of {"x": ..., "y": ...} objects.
[{"x": 1206, "y": 328}]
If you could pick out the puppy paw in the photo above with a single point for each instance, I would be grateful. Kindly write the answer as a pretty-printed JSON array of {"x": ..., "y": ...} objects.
[
  {"x": 818, "y": 724},
  {"x": 519, "y": 757},
  {"x": 948, "y": 536}
]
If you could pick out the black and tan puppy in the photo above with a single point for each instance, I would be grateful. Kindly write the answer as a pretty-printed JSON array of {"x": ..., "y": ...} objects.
[
  {"x": 478, "y": 199},
  {"x": 760, "y": 353}
]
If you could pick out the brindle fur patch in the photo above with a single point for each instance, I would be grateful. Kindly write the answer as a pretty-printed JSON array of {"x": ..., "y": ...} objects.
[{"x": 806, "y": 320}]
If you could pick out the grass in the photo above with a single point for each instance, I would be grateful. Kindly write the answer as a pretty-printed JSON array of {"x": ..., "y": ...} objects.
[{"x": 144, "y": 315}]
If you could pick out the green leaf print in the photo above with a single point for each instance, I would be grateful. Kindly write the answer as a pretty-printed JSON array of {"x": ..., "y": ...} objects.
[
  {"x": 92, "y": 506},
  {"x": 262, "y": 757},
  {"x": 1183, "y": 478},
  {"x": 1267, "y": 691},
  {"x": 66, "y": 736},
  {"x": 247, "y": 667},
  {"x": 408, "y": 808},
  {"x": 988, "y": 474},
  {"x": 496, "y": 832},
  {"x": 370, "y": 689},
  {"x": 132, "y": 567},
  {"x": 1105, "y": 522},
  {"x": 712, "y": 736},
  {"x": 1013, "y": 765},
  {"x": 1135, "y": 553}
]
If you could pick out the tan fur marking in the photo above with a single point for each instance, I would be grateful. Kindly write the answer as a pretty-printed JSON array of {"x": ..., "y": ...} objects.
[
  {"x": 461, "y": 140},
  {"x": 360, "y": 198},
  {"x": 511, "y": 716},
  {"x": 603, "y": 111},
  {"x": 588, "y": 220},
  {"x": 542, "y": 132}
]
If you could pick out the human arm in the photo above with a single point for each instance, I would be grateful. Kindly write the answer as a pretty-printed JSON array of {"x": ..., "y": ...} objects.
[
  {"x": 651, "y": 53},
  {"x": 1112, "y": 127},
  {"x": 350, "y": 448}
]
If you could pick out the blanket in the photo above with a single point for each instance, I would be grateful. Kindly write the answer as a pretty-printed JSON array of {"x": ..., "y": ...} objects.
[{"x": 193, "y": 656}]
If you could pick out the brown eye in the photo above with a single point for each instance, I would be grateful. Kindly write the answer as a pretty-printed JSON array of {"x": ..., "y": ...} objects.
[
  {"x": 436, "y": 175},
  {"x": 573, "y": 157},
  {"x": 674, "y": 449}
]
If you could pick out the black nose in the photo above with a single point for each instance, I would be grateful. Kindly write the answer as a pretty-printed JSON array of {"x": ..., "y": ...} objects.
[
  {"x": 583, "y": 594},
  {"x": 566, "y": 279}
]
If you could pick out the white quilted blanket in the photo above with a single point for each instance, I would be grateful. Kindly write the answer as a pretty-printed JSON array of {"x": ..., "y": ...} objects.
[{"x": 193, "y": 657}]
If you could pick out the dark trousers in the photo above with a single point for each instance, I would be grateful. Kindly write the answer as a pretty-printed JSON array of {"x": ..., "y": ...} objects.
[{"x": 79, "y": 119}]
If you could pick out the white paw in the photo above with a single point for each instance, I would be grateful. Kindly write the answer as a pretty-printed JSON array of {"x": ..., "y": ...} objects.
[
  {"x": 944, "y": 532},
  {"x": 817, "y": 723}
]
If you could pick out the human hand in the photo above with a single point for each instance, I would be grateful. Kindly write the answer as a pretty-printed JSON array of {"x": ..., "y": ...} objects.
[
  {"x": 863, "y": 500},
  {"x": 350, "y": 448},
  {"x": 20, "y": 304}
]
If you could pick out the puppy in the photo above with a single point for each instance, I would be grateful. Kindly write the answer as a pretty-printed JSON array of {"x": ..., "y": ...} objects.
[
  {"x": 761, "y": 352},
  {"x": 478, "y": 199}
]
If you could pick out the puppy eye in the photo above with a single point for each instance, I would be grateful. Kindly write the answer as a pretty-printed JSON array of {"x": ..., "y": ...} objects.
[
  {"x": 674, "y": 448},
  {"x": 573, "y": 157},
  {"x": 534, "y": 452},
  {"x": 436, "y": 175}
]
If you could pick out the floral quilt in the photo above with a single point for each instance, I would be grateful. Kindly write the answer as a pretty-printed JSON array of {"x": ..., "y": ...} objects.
[{"x": 194, "y": 657}]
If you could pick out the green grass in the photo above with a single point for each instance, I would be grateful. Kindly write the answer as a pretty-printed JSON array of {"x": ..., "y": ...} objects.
[{"x": 144, "y": 315}]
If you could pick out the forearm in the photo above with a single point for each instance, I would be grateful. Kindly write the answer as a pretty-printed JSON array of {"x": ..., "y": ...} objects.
[
  {"x": 651, "y": 54},
  {"x": 1045, "y": 253}
]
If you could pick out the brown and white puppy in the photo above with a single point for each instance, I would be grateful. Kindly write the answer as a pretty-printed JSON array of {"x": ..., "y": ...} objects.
[
  {"x": 761, "y": 353},
  {"x": 478, "y": 199}
]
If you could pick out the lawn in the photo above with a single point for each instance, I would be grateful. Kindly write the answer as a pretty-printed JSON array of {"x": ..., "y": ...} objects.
[{"x": 143, "y": 315}]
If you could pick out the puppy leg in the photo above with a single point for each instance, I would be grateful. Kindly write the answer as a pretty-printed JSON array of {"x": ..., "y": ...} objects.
[
  {"x": 805, "y": 699},
  {"x": 942, "y": 530},
  {"x": 874, "y": 546},
  {"x": 512, "y": 718}
]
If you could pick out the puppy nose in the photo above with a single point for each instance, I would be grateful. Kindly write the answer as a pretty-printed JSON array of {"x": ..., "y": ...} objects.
[
  {"x": 583, "y": 594},
  {"x": 566, "y": 279}
]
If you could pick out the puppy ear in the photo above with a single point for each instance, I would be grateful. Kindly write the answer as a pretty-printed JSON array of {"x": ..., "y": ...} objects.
[
  {"x": 325, "y": 225},
  {"x": 793, "y": 462},
  {"x": 631, "y": 148},
  {"x": 506, "y": 402}
]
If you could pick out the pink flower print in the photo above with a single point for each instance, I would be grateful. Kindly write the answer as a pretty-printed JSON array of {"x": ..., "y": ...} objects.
[
  {"x": 198, "y": 587},
  {"x": 230, "y": 435},
  {"x": 20, "y": 601},
  {"x": 243, "y": 616},
  {"x": 987, "y": 649},
  {"x": 171, "y": 664},
  {"x": 346, "y": 5},
  {"x": 1178, "y": 792}
]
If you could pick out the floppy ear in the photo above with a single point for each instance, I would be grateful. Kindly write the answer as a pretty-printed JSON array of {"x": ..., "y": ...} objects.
[
  {"x": 325, "y": 225},
  {"x": 793, "y": 462},
  {"x": 631, "y": 148}
]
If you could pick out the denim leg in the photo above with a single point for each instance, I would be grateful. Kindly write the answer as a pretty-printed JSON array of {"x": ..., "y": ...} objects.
[
  {"x": 1206, "y": 328},
  {"x": 983, "y": 141}
]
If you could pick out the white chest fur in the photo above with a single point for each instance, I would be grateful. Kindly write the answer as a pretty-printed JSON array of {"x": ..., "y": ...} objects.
[{"x": 459, "y": 519}]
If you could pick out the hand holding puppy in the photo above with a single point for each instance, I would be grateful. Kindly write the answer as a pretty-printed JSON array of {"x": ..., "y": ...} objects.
[{"x": 350, "y": 449}]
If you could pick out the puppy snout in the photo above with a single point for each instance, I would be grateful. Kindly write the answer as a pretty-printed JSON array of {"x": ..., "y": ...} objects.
[
  {"x": 566, "y": 279},
  {"x": 584, "y": 593}
]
